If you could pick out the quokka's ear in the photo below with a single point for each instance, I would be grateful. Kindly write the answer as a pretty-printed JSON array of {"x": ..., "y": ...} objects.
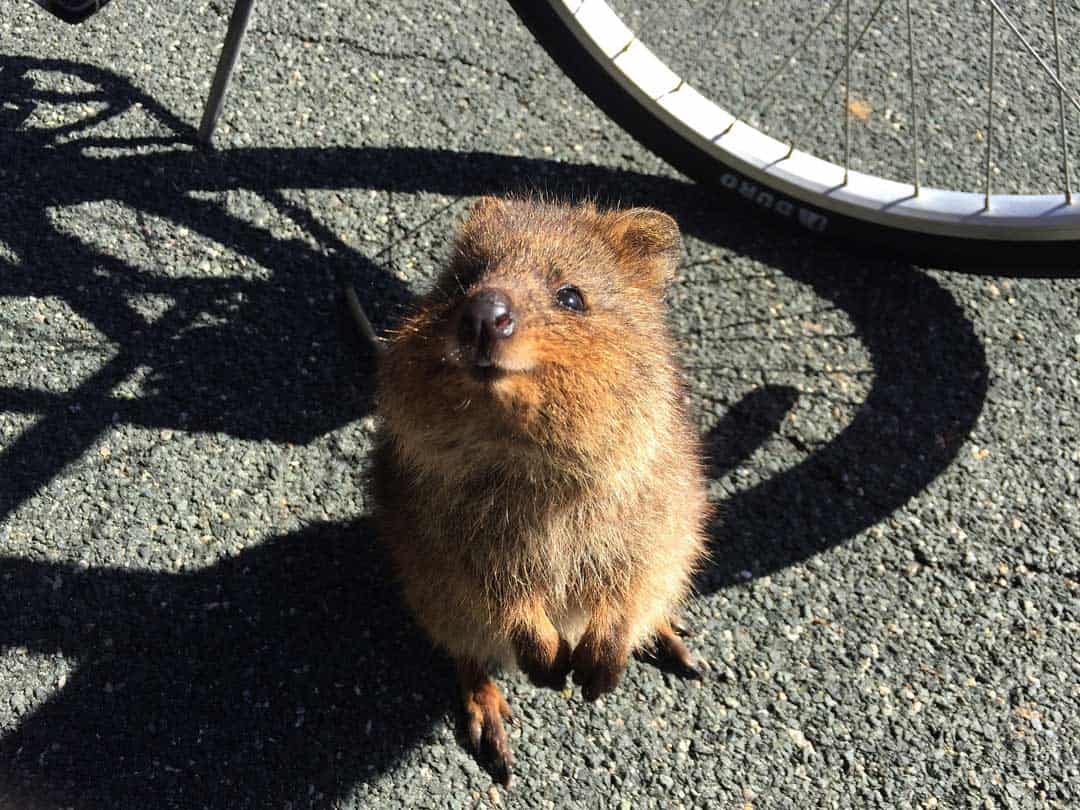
[
  {"x": 486, "y": 206},
  {"x": 480, "y": 221},
  {"x": 648, "y": 244}
]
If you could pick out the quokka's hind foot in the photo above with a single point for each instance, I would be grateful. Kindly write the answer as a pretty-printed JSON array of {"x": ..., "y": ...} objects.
[
  {"x": 485, "y": 711},
  {"x": 670, "y": 653}
]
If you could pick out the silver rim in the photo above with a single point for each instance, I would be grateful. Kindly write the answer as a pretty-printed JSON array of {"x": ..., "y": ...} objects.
[{"x": 777, "y": 176}]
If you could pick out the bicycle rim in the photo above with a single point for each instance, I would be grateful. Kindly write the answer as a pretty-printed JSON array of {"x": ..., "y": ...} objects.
[{"x": 1027, "y": 233}]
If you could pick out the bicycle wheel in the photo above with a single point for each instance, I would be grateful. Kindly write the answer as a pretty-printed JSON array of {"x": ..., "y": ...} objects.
[{"x": 967, "y": 230}]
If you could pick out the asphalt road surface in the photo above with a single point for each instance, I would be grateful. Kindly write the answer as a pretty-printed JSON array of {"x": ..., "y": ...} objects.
[{"x": 194, "y": 612}]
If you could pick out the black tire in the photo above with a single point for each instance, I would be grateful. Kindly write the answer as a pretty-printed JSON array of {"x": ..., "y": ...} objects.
[{"x": 1021, "y": 258}]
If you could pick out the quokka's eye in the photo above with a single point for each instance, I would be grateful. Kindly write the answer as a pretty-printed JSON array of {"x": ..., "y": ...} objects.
[{"x": 569, "y": 297}]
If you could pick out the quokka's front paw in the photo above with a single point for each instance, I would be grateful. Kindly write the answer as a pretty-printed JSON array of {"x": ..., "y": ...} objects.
[
  {"x": 598, "y": 665},
  {"x": 546, "y": 671}
]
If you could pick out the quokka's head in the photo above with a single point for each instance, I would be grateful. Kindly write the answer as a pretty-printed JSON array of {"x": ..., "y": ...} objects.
[{"x": 548, "y": 323}]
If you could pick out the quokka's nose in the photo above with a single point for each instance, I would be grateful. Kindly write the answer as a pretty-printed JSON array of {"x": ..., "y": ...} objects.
[{"x": 486, "y": 318}]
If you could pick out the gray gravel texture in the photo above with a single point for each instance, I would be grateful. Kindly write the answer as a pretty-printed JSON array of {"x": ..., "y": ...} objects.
[{"x": 194, "y": 612}]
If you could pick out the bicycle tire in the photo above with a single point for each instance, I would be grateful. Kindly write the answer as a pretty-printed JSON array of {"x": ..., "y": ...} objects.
[{"x": 1048, "y": 246}]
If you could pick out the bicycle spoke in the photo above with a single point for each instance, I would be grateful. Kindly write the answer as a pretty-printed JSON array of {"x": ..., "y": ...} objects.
[
  {"x": 1061, "y": 105},
  {"x": 847, "y": 88},
  {"x": 781, "y": 68},
  {"x": 1005, "y": 18},
  {"x": 820, "y": 103},
  {"x": 990, "y": 106},
  {"x": 914, "y": 105}
]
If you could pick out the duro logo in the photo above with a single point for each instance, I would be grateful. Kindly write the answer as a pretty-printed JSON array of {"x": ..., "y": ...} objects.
[{"x": 811, "y": 220}]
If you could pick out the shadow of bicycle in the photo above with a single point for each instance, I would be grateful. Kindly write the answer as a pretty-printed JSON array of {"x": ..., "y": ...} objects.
[{"x": 288, "y": 673}]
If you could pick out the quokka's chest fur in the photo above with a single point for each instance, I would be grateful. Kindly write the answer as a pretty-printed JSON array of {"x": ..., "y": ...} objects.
[{"x": 561, "y": 540}]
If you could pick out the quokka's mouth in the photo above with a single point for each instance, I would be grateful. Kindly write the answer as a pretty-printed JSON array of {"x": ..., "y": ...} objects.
[{"x": 485, "y": 368}]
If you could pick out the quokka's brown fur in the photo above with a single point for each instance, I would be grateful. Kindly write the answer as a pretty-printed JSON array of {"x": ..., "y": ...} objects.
[{"x": 542, "y": 494}]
